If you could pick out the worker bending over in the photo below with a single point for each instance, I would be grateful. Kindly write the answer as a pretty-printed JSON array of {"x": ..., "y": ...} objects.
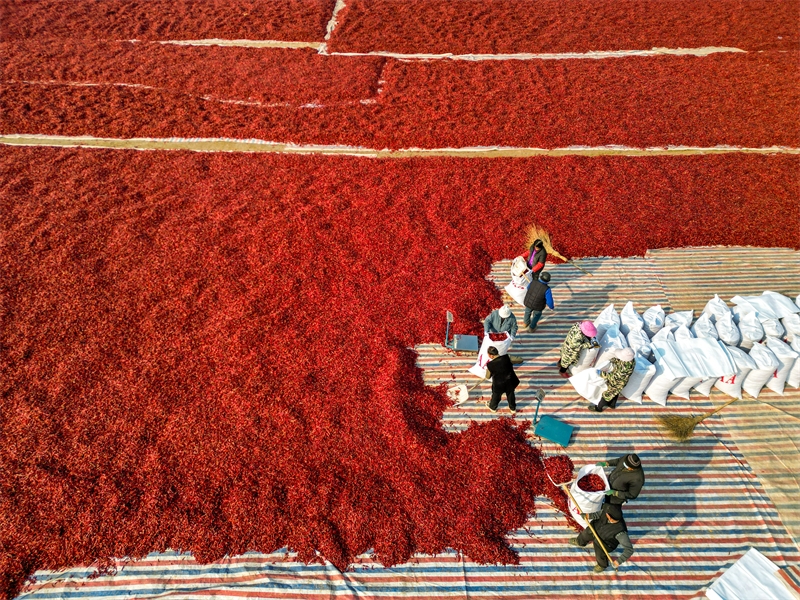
[
  {"x": 622, "y": 365},
  {"x": 613, "y": 532},
  {"x": 504, "y": 379},
  {"x": 501, "y": 320},
  {"x": 580, "y": 336},
  {"x": 626, "y": 480}
]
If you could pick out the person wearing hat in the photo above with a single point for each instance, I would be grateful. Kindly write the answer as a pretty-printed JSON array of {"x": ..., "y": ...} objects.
[
  {"x": 626, "y": 480},
  {"x": 537, "y": 257},
  {"x": 504, "y": 379},
  {"x": 622, "y": 365},
  {"x": 501, "y": 320},
  {"x": 537, "y": 297},
  {"x": 611, "y": 529},
  {"x": 580, "y": 336}
]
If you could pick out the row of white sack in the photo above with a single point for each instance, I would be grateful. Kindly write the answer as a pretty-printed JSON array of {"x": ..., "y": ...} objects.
[
  {"x": 683, "y": 363},
  {"x": 752, "y": 319}
]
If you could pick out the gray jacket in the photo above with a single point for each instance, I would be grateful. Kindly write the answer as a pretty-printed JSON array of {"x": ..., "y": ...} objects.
[{"x": 495, "y": 324}]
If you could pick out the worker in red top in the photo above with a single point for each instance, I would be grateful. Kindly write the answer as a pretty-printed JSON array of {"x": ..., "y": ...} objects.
[{"x": 537, "y": 256}]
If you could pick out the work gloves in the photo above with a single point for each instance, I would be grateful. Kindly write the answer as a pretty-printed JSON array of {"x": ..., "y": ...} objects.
[
  {"x": 612, "y": 493},
  {"x": 602, "y": 464}
]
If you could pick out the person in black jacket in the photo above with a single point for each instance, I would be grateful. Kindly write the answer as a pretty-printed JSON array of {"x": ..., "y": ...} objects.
[
  {"x": 537, "y": 257},
  {"x": 536, "y": 298},
  {"x": 611, "y": 528},
  {"x": 626, "y": 480},
  {"x": 504, "y": 380}
]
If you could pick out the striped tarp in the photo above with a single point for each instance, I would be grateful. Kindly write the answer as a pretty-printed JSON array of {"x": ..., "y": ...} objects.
[{"x": 704, "y": 505}]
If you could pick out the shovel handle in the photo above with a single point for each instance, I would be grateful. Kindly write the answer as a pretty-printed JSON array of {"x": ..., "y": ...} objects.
[
  {"x": 597, "y": 537},
  {"x": 477, "y": 384}
]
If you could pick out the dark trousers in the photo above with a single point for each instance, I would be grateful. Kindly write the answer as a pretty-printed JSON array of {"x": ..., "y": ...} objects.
[
  {"x": 612, "y": 403},
  {"x": 531, "y": 318},
  {"x": 562, "y": 369},
  {"x": 497, "y": 394},
  {"x": 586, "y": 536}
]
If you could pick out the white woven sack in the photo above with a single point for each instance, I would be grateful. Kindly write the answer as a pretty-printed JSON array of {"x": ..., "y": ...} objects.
[
  {"x": 639, "y": 342},
  {"x": 653, "y": 319},
  {"x": 793, "y": 379},
  {"x": 589, "y": 385},
  {"x": 589, "y": 502},
  {"x": 630, "y": 319},
  {"x": 606, "y": 319},
  {"x": 772, "y": 328},
  {"x": 683, "y": 317},
  {"x": 658, "y": 388},
  {"x": 517, "y": 291},
  {"x": 683, "y": 333},
  {"x": 585, "y": 360},
  {"x": 643, "y": 373},
  {"x": 611, "y": 341},
  {"x": 732, "y": 384},
  {"x": 663, "y": 335},
  {"x": 751, "y": 329},
  {"x": 704, "y": 387},
  {"x": 786, "y": 357},
  {"x": 519, "y": 267},
  {"x": 792, "y": 326},
  {"x": 479, "y": 368},
  {"x": 704, "y": 328},
  {"x": 716, "y": 308},
  {"x": 766, "y": 362},
  {"x": 681, "y": 389},
  {"x": 797, "y": 301},
  {"x": 727, "y": 331}
]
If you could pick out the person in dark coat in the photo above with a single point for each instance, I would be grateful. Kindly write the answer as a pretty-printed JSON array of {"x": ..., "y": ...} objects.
[
  {"x": 537, "y": 297},
  {"x": 626, "y": 480},
  {"x": 611, "y": 529},
  {"x": 537, "y": 257},
  {"x": 504, "y": 380}
]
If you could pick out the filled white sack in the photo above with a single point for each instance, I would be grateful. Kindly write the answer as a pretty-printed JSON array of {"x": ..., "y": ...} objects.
[
  {"x": 786, "y": 357},
  {"x": 589, "y": 385},
  {"x": 653, "y": 319},
  {"x": 589, "y": 502},
  {"x": 586, "y": 359},
  {"x": 663, "y": 335},
  {"x": 639, "y": 342},
  {"x": 716, "y": 308},
  {"x": 792, "y": 326},
  {"x": 773, "y": 328},
  {"x": 766, "y": 363},
  {"x": 606, "y": 319},
  {"x": 769, "y": 305},
  {"x": 643, "y": 372},
  {"x": 681, "y": 389},
  {"x": 683, "y": 333},
  {"x": 704, "y": 328},
  {"x": 793, "y": 379},
  {"x": 479, "y": 368},
  {"x": 704, "y": 386},
  {"x": 629, "y": 319},
  {"x": 669, "y": 371},
  {"x": 797, "y": 301},
  {"x": 519, "y": 267},
  {"x": 727, "y": 331},
  {"x": 732, "y": 384},
  {"x": 683, "y": 317},
  {"x": 751, "y": 329},
  {"x": 517, "y": 292},
  {"x": 704, "y": 359},
  {"x": 611, "y": 341}
]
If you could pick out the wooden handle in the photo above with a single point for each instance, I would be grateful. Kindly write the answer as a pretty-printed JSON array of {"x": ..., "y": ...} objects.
[
  {"x": 597, "y": 537},
  {"x": 713, "y": 412}
]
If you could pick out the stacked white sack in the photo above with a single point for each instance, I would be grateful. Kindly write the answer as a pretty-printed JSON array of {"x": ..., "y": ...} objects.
[
  {"x": 643, "y": 373},
  {"x": 629, "y": 319},
  {"x": 704, "y": 328},
  {"x": 773, "y": 328},
  {"x": 586, "y": 359},
  {"x": 792, "y": 326},
  {"x": 716, "y": 308},
  {"x": 727, "y": 330},
  {"x": 769, "y": 305},
  {"x": 653, "y": 319},
  {"x": 751, "y": 330},
  {"x": 683, "y": 333},
  {"x": 640, "y": 343},
  {"x": 786, "y": 357},
  {"x": 611, "y": 341},
  {"x": 682, "y": 317},
  {"x": 669, "y": 371},
  {"x": 704, "y": 358},
  {"x": 793, "y": 379},
  {"x": 732, "y": 384},
  {"x": 663, "y": 335},
  {"x": 606, "y": 319},
  {"x": 766, "y": 363}
]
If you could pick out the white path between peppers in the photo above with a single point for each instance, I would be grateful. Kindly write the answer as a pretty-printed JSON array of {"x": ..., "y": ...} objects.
[{"x": 255, "y": 145}]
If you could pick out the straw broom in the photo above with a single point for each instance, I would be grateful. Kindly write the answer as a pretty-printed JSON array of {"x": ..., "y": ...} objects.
[
  {"x": 681, "y": 428},
  {"x": 539, "y": 233}
]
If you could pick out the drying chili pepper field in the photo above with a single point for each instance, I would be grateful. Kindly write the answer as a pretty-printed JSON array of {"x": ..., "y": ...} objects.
[{"x": 213, "y": 352}]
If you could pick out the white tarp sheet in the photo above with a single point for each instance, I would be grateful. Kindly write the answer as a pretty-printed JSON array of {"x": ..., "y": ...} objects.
[
  {"x": 769, "y": 305},
  {"x": 752, "y": 576}
]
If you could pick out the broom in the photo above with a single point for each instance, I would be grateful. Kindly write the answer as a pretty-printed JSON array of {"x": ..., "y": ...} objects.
[
  {"x": 681, "y": 428},
  {"x": 538, "y": 233}
]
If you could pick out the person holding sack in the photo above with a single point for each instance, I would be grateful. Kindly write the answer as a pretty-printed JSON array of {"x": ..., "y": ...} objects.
[
  {"x": 501, "y": 320},
  {"x": 611, "y": 529},
  {"x": 626, "y": 480},
  {"x": 622, "y": 365},
  {"x": 504, "y": 379},
  {"x": 537, "y": 297},
  {"x": 580, "y": 336}
]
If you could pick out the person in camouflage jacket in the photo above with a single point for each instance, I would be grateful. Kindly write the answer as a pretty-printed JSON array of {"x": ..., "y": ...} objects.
[
  {"x": 617, "y": 378},
  {"x": 580, "y": 336}
]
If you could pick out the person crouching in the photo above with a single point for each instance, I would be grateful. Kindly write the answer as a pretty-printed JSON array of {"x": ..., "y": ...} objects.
[
  {"x": 622, "y": 365},
  {"x": 580, "y": 336}
]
